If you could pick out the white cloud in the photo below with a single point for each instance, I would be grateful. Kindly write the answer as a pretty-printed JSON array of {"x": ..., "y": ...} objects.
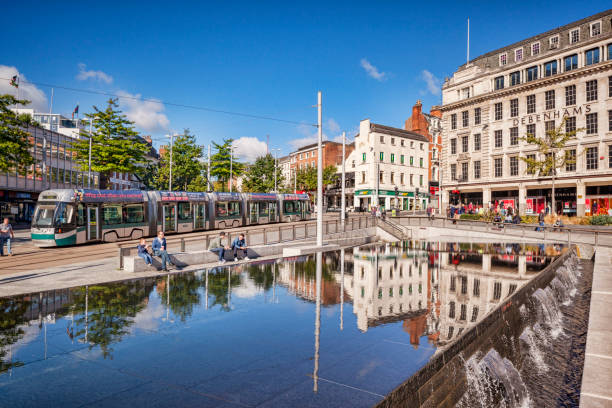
[
  {"x": 433, "y": 83},
  {"x": 249, "y": 148},
  {"x": 147, "y": 115},
  {"x": 332, "y": 125},
  {"x": 26, "y": 90},
  {"x": 84, "y": 75},
  {"x": 373, "y": 71},
  {"x": 247, "y": 290}
]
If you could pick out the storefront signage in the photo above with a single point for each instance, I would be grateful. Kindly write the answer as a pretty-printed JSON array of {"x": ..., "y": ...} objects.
[
  {"x": 389, "y": 193},
  {"x": 551, "y": 115}
]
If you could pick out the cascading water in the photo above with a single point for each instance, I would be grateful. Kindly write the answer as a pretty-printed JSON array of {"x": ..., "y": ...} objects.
[
  {"x": 535, "y": 348},
  {"x": 548, "y": 310}
]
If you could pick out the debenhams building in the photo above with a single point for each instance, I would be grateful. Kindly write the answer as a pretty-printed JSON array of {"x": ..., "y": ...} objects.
[{"x": 529, "y": 87}]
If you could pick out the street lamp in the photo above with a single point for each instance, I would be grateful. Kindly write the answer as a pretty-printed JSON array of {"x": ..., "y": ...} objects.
[
  {"x": 276, "y": 150},
  {"x": 231, "y": 165}
]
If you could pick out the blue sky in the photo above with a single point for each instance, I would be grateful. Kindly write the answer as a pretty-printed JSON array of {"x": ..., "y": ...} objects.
[{"x": 370, "y": 59}]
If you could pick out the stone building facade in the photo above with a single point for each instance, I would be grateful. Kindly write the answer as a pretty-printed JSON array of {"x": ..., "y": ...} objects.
[{"x": 561, "y": 76}]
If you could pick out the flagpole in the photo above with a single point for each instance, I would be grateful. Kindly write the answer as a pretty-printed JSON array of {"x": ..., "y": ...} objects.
[{"x": 51, "y": 107}]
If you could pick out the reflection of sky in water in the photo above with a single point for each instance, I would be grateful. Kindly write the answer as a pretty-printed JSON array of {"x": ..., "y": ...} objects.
[{"x": 145, "y": 340}]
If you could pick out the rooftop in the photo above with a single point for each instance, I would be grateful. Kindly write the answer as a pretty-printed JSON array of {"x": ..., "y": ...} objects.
[{"x": 388, "y": 130}]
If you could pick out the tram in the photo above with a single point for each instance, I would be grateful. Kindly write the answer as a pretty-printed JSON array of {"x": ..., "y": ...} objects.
[{"x": 72, "y": 217}]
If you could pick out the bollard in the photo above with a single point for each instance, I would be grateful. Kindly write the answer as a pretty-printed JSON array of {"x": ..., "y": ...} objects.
[
  {"x": 121, "y": 258},
  {"x": 182, "y": 244}
]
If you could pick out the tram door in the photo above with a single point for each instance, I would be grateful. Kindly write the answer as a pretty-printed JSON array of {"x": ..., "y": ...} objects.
[
  {"x": 199, "y": 216},
  {"x": 169, "y": 214},
  {"x": 92, "y": 223},
  {"x": 254, "y": 212},
  {"x": 272, "y": 208}
]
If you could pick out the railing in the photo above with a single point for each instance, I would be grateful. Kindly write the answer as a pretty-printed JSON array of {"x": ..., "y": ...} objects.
[
  {"x": 570, "y": 234},
  {"x": 394, "y": 229},
  {"x": 258, "y": 234}
]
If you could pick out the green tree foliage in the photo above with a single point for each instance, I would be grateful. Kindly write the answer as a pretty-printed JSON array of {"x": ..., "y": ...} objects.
[
  {"x": 14, "y": 141},
  {"x": 220, "y": 164},
  {"x": 186, "y": 164},
  {"x": 182, "y": 295},
  {"x": 307, "y": 178},
  {"x": 551, "y": 154},
  {"x": 260, "y": 176},
  {"x": 116, "y": 146}
]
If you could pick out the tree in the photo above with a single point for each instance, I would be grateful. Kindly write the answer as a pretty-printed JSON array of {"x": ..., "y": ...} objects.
[
  {"x": 549, "y": 146},
  {"x": 186, "y": 164},
  {"x": 307, "y": 178},
  {"x": 116, "y": 146},
  {"x": 14, "y": 141},
  {"x": 221, "y": 164},
  {"x": 260, "y": 177}
]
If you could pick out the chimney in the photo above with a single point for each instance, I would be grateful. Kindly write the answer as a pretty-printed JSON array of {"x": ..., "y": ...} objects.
[
  {"x": 416, "y": 115},
  {"x": 148, "y": 139}
]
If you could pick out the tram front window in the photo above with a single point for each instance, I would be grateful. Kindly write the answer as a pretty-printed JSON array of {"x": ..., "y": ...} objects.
[
  {"x": 63, "y": 214},
  {"x": 50, "y": 215},
  {"x": 43, "y": 216}
]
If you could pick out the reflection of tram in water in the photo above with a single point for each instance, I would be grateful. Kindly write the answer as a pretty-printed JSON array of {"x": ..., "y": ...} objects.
[{"x": 68, "y": 217}]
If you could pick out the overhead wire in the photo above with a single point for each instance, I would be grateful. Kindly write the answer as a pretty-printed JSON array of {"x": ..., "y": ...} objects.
[{"x": 179, "y": 105}]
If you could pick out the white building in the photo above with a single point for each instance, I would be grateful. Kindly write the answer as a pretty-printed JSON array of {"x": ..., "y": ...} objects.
[
  {"x": 391, "y": 167},
  {"x": 284, "y": 163},
  {"x": 531, "y": 87},
  {"x": 56, "y": 122}
]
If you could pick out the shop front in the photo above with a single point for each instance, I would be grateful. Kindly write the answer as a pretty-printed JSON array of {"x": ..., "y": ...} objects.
[
  {"x": 541, "y": 199},
  {"x": 390, "y": 199},
  {"x": 506, "y": 199},
  {"x": 598, "y": 200},
  {"x": 17, "y": 206},
  {"x": 457, "y": 197}
]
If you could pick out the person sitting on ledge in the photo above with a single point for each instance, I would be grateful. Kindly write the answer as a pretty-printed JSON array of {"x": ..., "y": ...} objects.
[
  {"x": 143, "y": 252},
  {"x": 217, "y": 245},
  {"x": 160, "y": 249},
  {"x": 239, "y": 243}
]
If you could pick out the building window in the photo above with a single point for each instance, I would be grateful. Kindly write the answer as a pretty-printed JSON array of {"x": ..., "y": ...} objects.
[
  {"x": 549, "y": 126},
  {"x": 498, "y": 139},
  {"x": 453, "y": 172},
  {"x": 477, "y": 110},
  {"x": 498, "y": 111},
  {"x": 477, "y": 140},
  {"x": 382, "y": 139},
  {"x": 402, "y": 159},
  {"x": 411, "y": 183},
  {"x": 610, "y": 156},
  {"x": 454, "y": 121},
  {"x": 421, "y": 162},
  {"x": 571, "y": 62},
  {"x": 514, "y": 110},
  {"x": 518, "y": 55},
  {"x": 421, "y": 146},
  {"x": 549, "y": 97},
  {"x": 570, "y": 124},
  {"x": 610, "y": 120},
  {"x": 402, "y": 178},
  {"x": 421, "y": 180},
  {"x": 591, "y": 158},
  {"x": 464, "y": 171},
  {"x": 392, "y": 157},
  {"x": 453, "y": 147},
  {"x": 464, "y": 144},
  {"x": 381, "y": 156},
  {"x": 610, "y": 79},
  {"x": 498, "y": 167},
  {"x": 402, "y": 142},
  {"x": 550, "y": 68},
  {"x": 499, "y": 83},
  {"x": 514, "y": 138},
  {"x": 465, "y": 93},
  {"x": 530, "y": 157},
  {"x": 531, "y": 129},
  {"x": 381, "y": 177},
  {"x": 595, "y": 28},
  {"x": 591, "y": 123},
  {"x": 592, "y": 56},
  {"x": 412, "y": 157},
  {"x": 574, "y": 36},
  {"x": 591, "y": 90},
  {"x": 570, "y": 95},
  {"x": 465, "y": 120},
  {"x": 553, "y": 42},
  {"x": 392, "y": 141},
  {"x": 477, "y": 169},
  {"x": 392, "y": 178},
  {"x": 503, "y": 59},
  {"x": 515, "y": 78},
  {"x": 570, "y": 164},
  {"x": 363, "y": 157},
  {"x": 532, "y": 74},
  {"x": 514, "y": 166},
  {"x": 535, "y": 48},
  {"x": 531, "y": 103}
]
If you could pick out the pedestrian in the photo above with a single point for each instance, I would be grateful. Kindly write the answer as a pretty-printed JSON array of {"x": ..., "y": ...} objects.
[
  {"x": 540, "y": 221},
  {"x": 6, "y": 235},
  {"x": 218, "y": 246},
  {"x": 239, "y": 243},
  {"x": 161, "y": 249},
  {"x": 429, "y": 212},
  {"x": 143, "y": 252}
]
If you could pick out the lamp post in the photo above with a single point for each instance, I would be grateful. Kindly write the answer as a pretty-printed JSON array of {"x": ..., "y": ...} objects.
[
  {"x": 275, "y": 150},
  {"x": 231, "y": 165},
  {"x": 320, "y": 173},
  {"x": 343, "y": 199},
  {"x": 171, "y": 136}
]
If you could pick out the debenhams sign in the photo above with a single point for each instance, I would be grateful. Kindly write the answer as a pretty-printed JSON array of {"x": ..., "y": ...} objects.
[{"x": 552, "y": 115}]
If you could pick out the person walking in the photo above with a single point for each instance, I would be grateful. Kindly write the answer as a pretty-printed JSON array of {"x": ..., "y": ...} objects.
[
  {"x": 6, "y": 235},
  {"x": 540, "y": 221},
  {"x": 161, "y": 249},
  {"x": 218, "y": 246},
  {"x": 239, "y": 243},
  {"x": 143, "y": 252}
]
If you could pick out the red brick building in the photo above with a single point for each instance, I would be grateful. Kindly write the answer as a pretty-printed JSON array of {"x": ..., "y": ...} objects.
[
  {"x": 306, "y": 156},
  {"x": 429, "y": 125}
]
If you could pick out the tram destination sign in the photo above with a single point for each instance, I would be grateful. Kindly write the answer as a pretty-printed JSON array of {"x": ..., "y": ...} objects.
[{"x": 103, "y": 196}]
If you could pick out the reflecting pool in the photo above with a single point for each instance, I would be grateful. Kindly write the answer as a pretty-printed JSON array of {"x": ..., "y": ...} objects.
[{"x": 336, "y": 329}]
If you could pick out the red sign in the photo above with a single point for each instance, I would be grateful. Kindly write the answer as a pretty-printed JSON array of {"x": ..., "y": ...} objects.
[{"x": 433, "y": 190}]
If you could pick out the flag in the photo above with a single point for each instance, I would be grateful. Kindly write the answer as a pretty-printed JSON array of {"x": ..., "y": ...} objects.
[
  {"x": 15, "y": 81},
  {"x": 76, "y": 110}
]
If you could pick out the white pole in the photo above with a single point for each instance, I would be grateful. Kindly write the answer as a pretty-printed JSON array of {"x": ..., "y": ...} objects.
[
  {"x": 51, "y": 106},
  {"x": 171, "y": 148},
  {"x": 295, "y": 180},
  {"x": 320, "y": 175},
  {"x": 343, "y": 199},
  {"x": 468, "y": 43},
  {"x": 319, "y": 275},
  {"x": 90, "y": 137},
  {"x": 342, "y": 289},
  {"x": 231, "y": 166},
  {"x": 208, "y": 175},
  {"x": 275, "y": 168}
]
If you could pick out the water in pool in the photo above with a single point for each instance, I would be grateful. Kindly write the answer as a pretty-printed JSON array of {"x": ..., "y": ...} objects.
[{"x": 338, "y": 329}]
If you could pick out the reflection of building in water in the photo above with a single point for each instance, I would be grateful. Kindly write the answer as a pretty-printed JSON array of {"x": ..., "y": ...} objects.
[
  {"x": 390, "y": 284},
  {"x": 299, "y": 277},
  {"x": 471, "y": 285}
]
